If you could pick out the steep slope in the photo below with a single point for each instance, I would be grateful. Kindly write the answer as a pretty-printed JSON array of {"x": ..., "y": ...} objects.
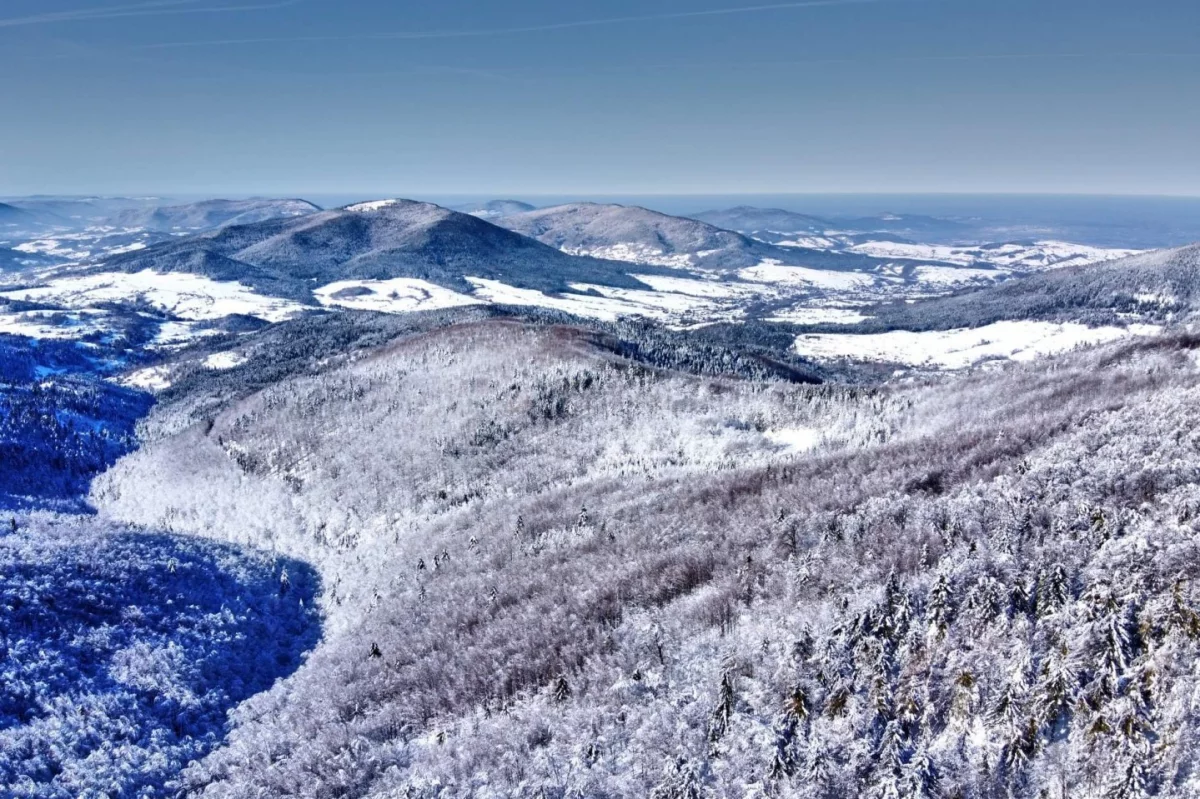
[
  {"x": 547, "y": 571},
  {"x": 212, "y": 213},
  {"x": 375, "y": 241},
  {"x": 630, "y": 233}
]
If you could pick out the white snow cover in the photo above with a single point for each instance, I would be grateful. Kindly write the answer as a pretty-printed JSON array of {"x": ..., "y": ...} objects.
[
  {"x": 795, "y": 439},
  {"x": 181, "y": 294},
  {"x": 398, "y": 295},
  {"x": 951, "y": 275},
  {"x": 152, "y": 378},
  {"x": 176, "y": 334},
  {"x": 771, "y": 271},
  {"x": 1038, "y": 255},
  {"x": 638, "y": 254},
  {"x": 809, "y": 242},
  {"x": 52, "y": 324},
  {"x": 224, "y": 360},
  {"x": 709, "y": 289},
  {"x": 958, "y": 349},
  {"x": 614, "y": 304},
  {"x": 373, "y": 205},
  {"x": 814, "y": 315}
]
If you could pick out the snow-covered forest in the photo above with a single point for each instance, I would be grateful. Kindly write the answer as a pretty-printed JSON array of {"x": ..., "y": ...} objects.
[
  {"x": 918, "y": 549},
  {"x": 550, "y": 571}
]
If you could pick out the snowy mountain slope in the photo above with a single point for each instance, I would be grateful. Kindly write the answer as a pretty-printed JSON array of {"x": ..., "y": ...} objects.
[
  {"x": 549, "y": 571},
  {"x": 963, "y": 347},
  {"x": 884, "y": 237},
  {"x": 639, "y": 235},
  {"x": 211, "y": 214},
  {"x": 1017, "y": 256},
  {"x": 1150, "y": 287}
]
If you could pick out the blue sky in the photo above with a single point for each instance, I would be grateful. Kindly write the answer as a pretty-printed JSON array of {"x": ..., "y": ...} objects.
[{"x": 658, "y": 96}]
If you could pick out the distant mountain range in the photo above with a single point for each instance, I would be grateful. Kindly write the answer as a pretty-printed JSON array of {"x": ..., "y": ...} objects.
[
  {"x": 211, "y": 214},
  {"x": 754, "y": 221},
  {"x": 373, "y": 241},
  {"x": 632, "y": 233},
  {"x": 1156, "y": 286},
  {"x": 14, "y": 218},
  {"x": 494, "y": 209}
]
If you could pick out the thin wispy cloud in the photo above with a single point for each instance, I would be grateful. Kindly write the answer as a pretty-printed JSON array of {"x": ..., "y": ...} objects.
[
  {"x": 148, "y": 9},
  {"x": 540, "y": 28}
]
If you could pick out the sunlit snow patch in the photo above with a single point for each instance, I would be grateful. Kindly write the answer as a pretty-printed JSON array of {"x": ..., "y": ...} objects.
[
  {"x": 373, "y": 205},
  {"x": 771, "y": 271},
  {"x": 958, "y": 349},
  {"x": 809, "y": 243},
  {"x": 180, "y": 294},
  {"x": 954, "y": 275},
  {"x": 639, "y": 254},
  {"x": 152, "y": 378},
  {"x": 802, "y": 315},
  {"x": 53, "y": 323},
  {"x": 795, "y": 439},
  {"x": 614, "y": 304},
  {"x": 1037, "y": 255},
  {"x": 224, "y": 360},
  {"x": 708, "y": 289},
  {"x": 398, "y": 295}
]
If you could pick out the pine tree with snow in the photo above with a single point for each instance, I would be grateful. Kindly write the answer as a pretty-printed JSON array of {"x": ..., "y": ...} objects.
[
  {"x": 940, "y": 607},
  {"x": 561, "y": 690},
  {"x": 722, "y": 714}
]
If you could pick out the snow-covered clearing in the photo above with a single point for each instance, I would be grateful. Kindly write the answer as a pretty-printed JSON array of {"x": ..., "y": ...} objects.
[
  {"x": 802, "y": 315},
  {"x": 809, "y": 243},
  {"x": 771, "y": 271},
  {"x": 224, "y": 360},
  {"x": 398, "y": 295},
  {"x": 795, "y": 439},
  {"x": 958, "y": 349},
  {"x": 373, "y": 205},
  {"x": 609, "y": 306},
  {"x": 52, "y": 324},
  {"x": 152, "y": 378},
  {"x": 953, "y": 275},
  {"x": 638, "y": 254},
  {"x": 180, "y": 294},
  {"x": 1038, "y": 255}
]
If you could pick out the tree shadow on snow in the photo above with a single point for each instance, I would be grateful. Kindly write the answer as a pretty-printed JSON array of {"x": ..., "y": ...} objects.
[{"x": 121, "y": 654}]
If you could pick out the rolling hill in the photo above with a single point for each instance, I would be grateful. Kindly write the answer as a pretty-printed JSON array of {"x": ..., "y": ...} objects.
[
  {"x": 373, "y": 241},
  {"x": 631, "y": 233},
  {"x": 211, "y": 214},
  {"x": 755, "y": 221},
  {"x": 1156, "y": 286}
]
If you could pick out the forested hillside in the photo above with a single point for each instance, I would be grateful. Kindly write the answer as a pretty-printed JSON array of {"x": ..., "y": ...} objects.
[{"x": 550, "y": 571}]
